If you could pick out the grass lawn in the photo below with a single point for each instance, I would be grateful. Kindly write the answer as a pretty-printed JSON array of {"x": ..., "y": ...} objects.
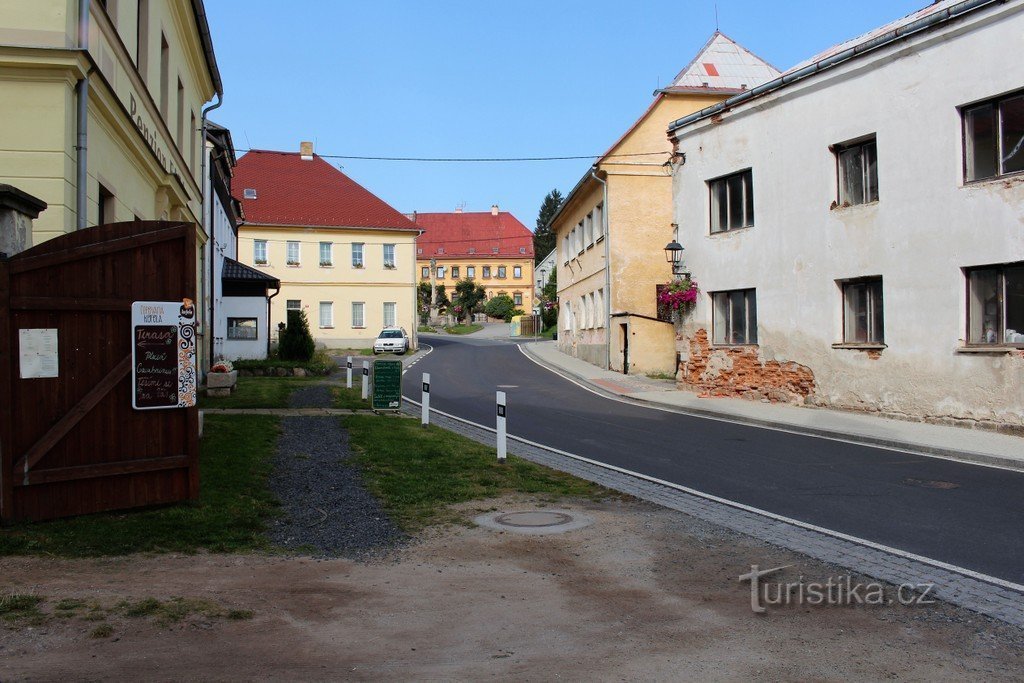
[
  {"x": 464, "y": 329},
  {"x": 234, "y": 502},
  {"x": 549, "y": 333},
  {"x": 350, "y": 398},
  {"x": 349, "y": 352},
  {"x": 417, "y": 473},
  {"x": 259, "y": 392}
]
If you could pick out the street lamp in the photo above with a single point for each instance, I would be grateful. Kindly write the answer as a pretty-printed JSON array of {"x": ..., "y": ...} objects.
[{"x": 674, "y": 255}]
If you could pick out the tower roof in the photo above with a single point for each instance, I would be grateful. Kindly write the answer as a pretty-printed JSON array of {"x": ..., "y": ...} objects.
[{"x": 724, "y": 65}]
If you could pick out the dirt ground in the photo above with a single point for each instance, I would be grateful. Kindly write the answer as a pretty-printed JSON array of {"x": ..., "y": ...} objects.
[{"x": 644, "y": 593}]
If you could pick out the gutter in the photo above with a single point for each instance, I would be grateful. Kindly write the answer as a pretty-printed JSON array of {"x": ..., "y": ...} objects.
[
  {"x": 875, "y": 43},
  {"x": 269, "y": 323},
  {"x": 82, "y": 124},
  {"x": 627, "y": 314},
  {"x": 207, "y": 40},
  {"x": 607, "y": 271}
]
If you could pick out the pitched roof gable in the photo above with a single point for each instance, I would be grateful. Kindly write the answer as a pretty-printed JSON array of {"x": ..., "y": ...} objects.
[
  {"x": 293, "y": 191},
  {"x": 724, "y": 64},
  {"x": 479, "y": 234}
]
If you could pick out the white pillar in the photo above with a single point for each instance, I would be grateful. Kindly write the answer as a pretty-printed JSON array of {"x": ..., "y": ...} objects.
[
  {"x": 425, "y": 401},
  {"x": 366, "y": 379},
  {"x": 501, "y": 426},
  {"x": 348, "y": 373}
]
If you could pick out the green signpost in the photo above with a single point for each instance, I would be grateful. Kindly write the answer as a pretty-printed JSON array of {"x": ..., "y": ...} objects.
[{"x": 387, "y": 385}]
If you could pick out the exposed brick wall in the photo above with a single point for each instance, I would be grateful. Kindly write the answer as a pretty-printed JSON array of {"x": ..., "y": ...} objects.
[{"x": 740, "y": 372}]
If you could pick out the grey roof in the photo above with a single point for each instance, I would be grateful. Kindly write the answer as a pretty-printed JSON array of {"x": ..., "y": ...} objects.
[
  {"x": 239, "y": 272},
  {"x": 726, "y": 65}
]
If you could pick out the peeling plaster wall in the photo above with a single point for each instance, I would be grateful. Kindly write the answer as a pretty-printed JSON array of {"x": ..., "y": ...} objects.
[{"x": 926, "y": 227}]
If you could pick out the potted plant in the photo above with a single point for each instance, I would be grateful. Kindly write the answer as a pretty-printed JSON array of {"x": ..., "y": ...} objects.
[{"x": 678, "y": 297}]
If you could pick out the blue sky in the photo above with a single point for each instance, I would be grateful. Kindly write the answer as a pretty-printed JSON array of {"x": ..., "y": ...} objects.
[{"x": 454, "y": 78}]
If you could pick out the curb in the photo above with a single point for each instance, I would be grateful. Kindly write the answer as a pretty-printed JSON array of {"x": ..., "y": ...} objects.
[{"x": 969, "y": 457}]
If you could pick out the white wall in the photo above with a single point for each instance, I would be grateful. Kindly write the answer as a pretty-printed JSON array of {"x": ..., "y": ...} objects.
[
  {"x": 925, "y": 228},
  {"x": 245, "y": 307}
]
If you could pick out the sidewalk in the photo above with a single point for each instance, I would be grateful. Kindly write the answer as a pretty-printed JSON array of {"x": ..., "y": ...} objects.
[{"x": 970, "y": 445}]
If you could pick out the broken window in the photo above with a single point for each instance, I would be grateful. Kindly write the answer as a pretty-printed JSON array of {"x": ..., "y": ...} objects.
[
  {"x": 995, "y": 305},
  {"x": 735, "y": 317},
  {"x": 858, "y": 173},
  {"x": 862, "y": 311},
  {"x": 732, "y": 201},
  {"x": 994, "y": 137}
]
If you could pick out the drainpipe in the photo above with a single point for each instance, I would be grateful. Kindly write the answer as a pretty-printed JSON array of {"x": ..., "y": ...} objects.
[
  {"x": 207, "y": 213},
  {"x": 269, "y": 323},
  {"x": 607, "y": 274},
  {"x": 81, "y": 149}
]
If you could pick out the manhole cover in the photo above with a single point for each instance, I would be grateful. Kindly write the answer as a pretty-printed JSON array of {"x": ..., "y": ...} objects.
[{"x": 534, "y": 521}]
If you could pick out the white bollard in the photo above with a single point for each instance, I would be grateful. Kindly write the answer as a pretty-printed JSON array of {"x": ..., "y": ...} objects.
[
  {"x": 501, "y": 426},
  {"x": 366, "y": 379},
  {"x": 348, "y": 373},
  {"x": 425, "y": 401}
]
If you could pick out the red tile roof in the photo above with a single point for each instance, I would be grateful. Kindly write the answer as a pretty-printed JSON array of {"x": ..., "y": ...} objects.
[
  {"x": 294, "y": 191},
  {"x": 473, "y": 234}
]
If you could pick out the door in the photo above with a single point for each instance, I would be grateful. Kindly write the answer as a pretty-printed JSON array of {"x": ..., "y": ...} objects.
[{"x": 625, "y": 348}]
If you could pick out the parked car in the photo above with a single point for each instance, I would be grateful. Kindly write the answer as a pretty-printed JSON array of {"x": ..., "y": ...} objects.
[{"x": 391, "y": 340}]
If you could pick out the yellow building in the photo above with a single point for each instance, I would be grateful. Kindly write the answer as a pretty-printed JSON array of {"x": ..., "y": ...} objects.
[
  {"x": 342, "y": 254},
  {"x": 612, "y": 228},
  {"x": 492, "y": 248}
]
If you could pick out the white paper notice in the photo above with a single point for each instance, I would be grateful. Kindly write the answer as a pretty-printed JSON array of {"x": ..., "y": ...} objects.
[{"x": 38, "y": 353}]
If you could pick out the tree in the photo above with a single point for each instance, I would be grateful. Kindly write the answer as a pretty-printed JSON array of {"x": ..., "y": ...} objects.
[
  {"x": 295, "y": 342},
  {"x": 467, "y": 298},
  {"x": 500, "y": 306},
  {"x": 549, "y": 301},
  {"x": 441, "y": 300},
  {"x": 543, "y": 237},
  {"x": 423, "y": 298}
]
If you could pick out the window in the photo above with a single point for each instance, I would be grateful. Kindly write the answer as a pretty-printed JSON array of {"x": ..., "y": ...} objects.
[
  {"x": 326, "y": 254},
  {"x": 472, "y": 250},
  {"x": 419, "y": 251},
  {"x": 242, "y": 328},
  {"x": 425, "y": 272},
  {"x": 293, "y": 253},
  {"x": 106, "y": 204},
  {"x": 732, "y": 201},
  {"x": 389, "y": 256},
  {"x": 440, "y": 272},
  {"x": 180, "y": 133},
  {"x": 326, "y": 314},
  {"x": 735, "y": 317},
  {"x": 455, "y": 272},
  {"x": 358, "y": 319},
  {"x": 522, "y": 250},
  {"x": 599, "y": 307},
  {"x": 471, "y": 272},
  {"x": 517, "y": 272},
  {"x": 259, "y": 252},
  {"x": 390, "y": 314},
  {"x": 494, "y": 250},
  {"x": 858, "y": 172},
  {"x": 440, "y": 250},
  {"x": 599, "y": 221},
  {"x": 165, "y": 56},
  {"x": 357, "y": 254},
  {"x": 487, "y": 272},
  {"x": 502, "y": 272},
  {"x": 995, "y": 305},
  {"x": 293, "y": 305},
  {"x": 517, "y": 298},
  {"x": 588, "y": 307},
  {"x": 566, "y": 249},
  {"x": 994, "y": 137},
  {"x": 142, "y": 56},
  {"x": 588, "y": 229},
  {"x": 192, "y": 138},
  {"x": 862, "y": 311}
]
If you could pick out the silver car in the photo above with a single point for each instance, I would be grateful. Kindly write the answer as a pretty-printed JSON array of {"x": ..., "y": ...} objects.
[{"x": 391, "y": 340}]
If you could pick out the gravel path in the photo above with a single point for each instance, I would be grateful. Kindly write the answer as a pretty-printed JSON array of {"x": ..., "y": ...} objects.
[
  {"x": 325, "y": 508},
  {"x": 315, "y": 396}
]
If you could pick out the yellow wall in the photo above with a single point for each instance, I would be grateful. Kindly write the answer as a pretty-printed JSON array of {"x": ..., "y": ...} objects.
[
  {"x": 133, "y": 149},
  {"x": 340, "y": 283},
  {"x": 493, "y": 285},
  {"x": 639, "y": 216}
]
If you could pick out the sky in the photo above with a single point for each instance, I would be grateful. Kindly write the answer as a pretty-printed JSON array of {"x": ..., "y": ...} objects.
[{"x": 472, "y": 79}]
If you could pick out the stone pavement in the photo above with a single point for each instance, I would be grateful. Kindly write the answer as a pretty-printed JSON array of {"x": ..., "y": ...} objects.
[{"x": 959, "y": 443}]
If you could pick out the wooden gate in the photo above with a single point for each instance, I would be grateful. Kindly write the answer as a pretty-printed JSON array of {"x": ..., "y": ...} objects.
[{"x": 73, "y": 444}]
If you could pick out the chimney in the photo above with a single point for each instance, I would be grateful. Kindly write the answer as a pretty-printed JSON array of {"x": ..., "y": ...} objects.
[
  {"x": 306, "y": 151},
  {"x": 494, "y": 209}
]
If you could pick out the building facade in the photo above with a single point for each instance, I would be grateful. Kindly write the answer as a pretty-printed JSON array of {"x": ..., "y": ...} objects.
[
  {"x": 855, "y": 227},
  {"x": 542, "y": 273},
  {"x": 341, "y": 254},
  {"x": 613, "y": 226},
  {"x": 492, "y": 248}
]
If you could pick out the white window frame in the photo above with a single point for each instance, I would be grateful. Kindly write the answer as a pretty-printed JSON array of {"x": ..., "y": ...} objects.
[
  {"x": 389, "y": 260},
  {"x": 358, "y": 314},
  {"x": 599, "y": 222},
  {"x": 440, "y": 272},
  {"x": 234, "y": 326},
  {"x": 517, "y": 272},
  {"x": 394, "y": 314},
  {"x": 588, "y": 229},
  {"x": 327, "y": 262},
  {"x": 358, "y": 259},
  {"x": 470, "y": 272},
  {"x": 297, "y": 307},
  {"x": 425, "y": 272},
  {"x": 260, "y": 247},
  {"x": 293, "y": 255},
  {"x": 502, "y": 272},
  {"x": 326, "y": 310}
]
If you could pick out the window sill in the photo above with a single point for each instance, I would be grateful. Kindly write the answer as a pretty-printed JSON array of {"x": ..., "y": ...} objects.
[
  {"x": 327, "y": 327},
  {"x": 329, "y": 265},
  {"x": 261, "y": 265},
  {"x": 988, "y": 349},
  {"x": 733, "y": 346},
  {"x": 995, "y": 179},
  {"x": 730, "y": 231},
  {"x": 836, "y": 206},
  {"x": 591, "y": 245},
  {"x": 861, "y": 347},
  {"x": 599, "y": 239},
  {"x": 358, "y": 267},
  {"x": 359, "y": 327},
  {"x": 293, "y": 265}
]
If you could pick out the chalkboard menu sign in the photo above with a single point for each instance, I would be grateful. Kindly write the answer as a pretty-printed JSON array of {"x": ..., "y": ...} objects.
[
  {"x": 387, "y": 385},
  {"x": 163, "y": 354}
]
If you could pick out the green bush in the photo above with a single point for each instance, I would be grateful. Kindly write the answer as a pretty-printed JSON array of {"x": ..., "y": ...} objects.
[
  {"x": 296, "y": 342},
  {"x": 549, "y": 316},
  {"x": 500, "y": 306},
  {"x": 319, "y": 364}
]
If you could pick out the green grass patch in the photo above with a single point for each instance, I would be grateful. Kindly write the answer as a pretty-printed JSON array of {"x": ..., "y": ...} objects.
[
  {"x": 102, "y": 631},
  {"x": 342, "y": 353},
  {"x": 320, "y": 364},
  {"x": 234, "y": 502},
  {"x": 259, "y": 392},
  {"x": 464, "y": 329},
  {"x": 549, "y": 333},
  {"x": 425, "y": 328},
  {"x": 661, "y": 375},
  {"x": 18, "y": 609},
  {"x": 172, "y": 611},
  {"x": 350, "y": 399},
  {"x": 417, "y": 473}
]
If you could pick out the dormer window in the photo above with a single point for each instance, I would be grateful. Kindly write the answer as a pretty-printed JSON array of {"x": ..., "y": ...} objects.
[
  {"x": 472, "y": 250},
  {"x": 440, "y": 250},
  {"x": 494, "y": 250},
  {"x": 249, "y": 193}
]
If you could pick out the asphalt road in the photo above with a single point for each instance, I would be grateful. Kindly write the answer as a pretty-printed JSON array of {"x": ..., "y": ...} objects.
[{"x": 962, "y": 514}]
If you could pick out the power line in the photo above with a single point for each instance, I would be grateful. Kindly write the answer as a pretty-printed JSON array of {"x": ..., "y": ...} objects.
[{"x": 462, "y": 159}]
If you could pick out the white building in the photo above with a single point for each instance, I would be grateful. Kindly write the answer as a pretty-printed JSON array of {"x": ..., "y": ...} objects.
[
  {"x": 857, "y": 226},
  {"x": 541, "y": 274}
]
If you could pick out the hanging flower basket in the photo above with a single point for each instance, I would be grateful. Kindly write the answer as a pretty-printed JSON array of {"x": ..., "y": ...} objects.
[{"x": 677, "y": 298}]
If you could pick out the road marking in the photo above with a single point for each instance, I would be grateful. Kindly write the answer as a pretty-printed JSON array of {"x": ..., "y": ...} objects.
[
  {"x": 757, "y": 511},
  {"x": 508, "y": 386},
  {"x": 682, "y": 411},
  {"x": 414, "y": 362}
]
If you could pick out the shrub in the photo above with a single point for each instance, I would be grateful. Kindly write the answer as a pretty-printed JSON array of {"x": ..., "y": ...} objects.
[
  {"x": 549, "y": 316},
  {"x": 500, "y": 306},
  {"x": 296, "y": 341}
]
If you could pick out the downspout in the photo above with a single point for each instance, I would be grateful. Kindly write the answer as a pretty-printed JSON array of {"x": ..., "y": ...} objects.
[
  {"x": 207, "y": 213},
  {"x": 607, "y": 274},
  {"x": 81, "y": 149},
  {"x": 268, "y": 315}
]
